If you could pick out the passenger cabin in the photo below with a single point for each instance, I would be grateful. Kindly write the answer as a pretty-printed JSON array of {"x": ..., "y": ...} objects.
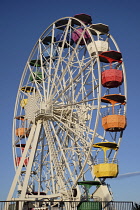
[
  {"x": 36, "y": 63},
  {"x": 21, "y": 146},
  {"x": 107, "y": 167},
  {"x": 98, "y": 45},
  {"x": 27, "y": 89},
  {"x": 112, "y": 77},
  {"x": 80, "y": 35},
  {"x": 61, "y": 24},
  {"x": 88, "y": 204},
  {"x": 48, "y": 39},
  {"x": 60, "y": 38},
  {"x": 23, "y": 102},
  {"x": 18, "y": 159},
  {"x": 36, "y": 77},
  {"x": 46, "y": 56},
  {"x": 116, "y": 120},
  {"x": 86, "y": 19},
  {"x": 22, "y": 132},
  {"x": 20, "y": 117},
  {"x": 49, "y": 51}
]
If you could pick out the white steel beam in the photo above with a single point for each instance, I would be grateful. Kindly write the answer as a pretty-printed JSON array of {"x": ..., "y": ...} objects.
[
  {"x": 19, "y": 169},
  {"x": 31, "y": 158}
]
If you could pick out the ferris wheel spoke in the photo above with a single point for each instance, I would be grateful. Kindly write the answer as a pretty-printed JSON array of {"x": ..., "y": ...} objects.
[
  {"x": 33, "y": 76},
  {"x": 28, "y": 171},
  {"x": 59, "y": 59},
  {"x": 67, "y": 67},
  {"x": 62, "y": 157},
  {"x": 21, "y": 162},
  {"x": 56, "y": 161},
  {"x": 85, "y": 82},
  {"x": 78, "y": 134},
  {"x": 70, "y": 150},
  {"x": 63, "y": 91},
  {"x": 72, "y": 119}
]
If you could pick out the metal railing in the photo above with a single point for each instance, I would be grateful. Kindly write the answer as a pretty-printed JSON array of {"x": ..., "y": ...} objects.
[
  {"x": 66, "y": 205},
  {"x": 107, "y": 160},
  {"x": 116, "y": 112}
]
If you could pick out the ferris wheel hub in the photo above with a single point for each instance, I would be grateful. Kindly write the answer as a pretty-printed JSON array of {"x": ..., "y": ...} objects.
[{"x": 45, "y": 111}]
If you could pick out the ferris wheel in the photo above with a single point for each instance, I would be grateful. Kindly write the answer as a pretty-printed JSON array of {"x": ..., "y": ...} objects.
[{"x": 70, "y": 111}]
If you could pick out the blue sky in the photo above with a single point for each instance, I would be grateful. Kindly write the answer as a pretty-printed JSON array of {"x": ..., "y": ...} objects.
[{"x": 21, "y": 24}]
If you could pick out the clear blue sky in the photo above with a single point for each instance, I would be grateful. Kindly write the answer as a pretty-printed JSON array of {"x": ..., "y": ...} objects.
[{"x": 21, "y": 24}]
